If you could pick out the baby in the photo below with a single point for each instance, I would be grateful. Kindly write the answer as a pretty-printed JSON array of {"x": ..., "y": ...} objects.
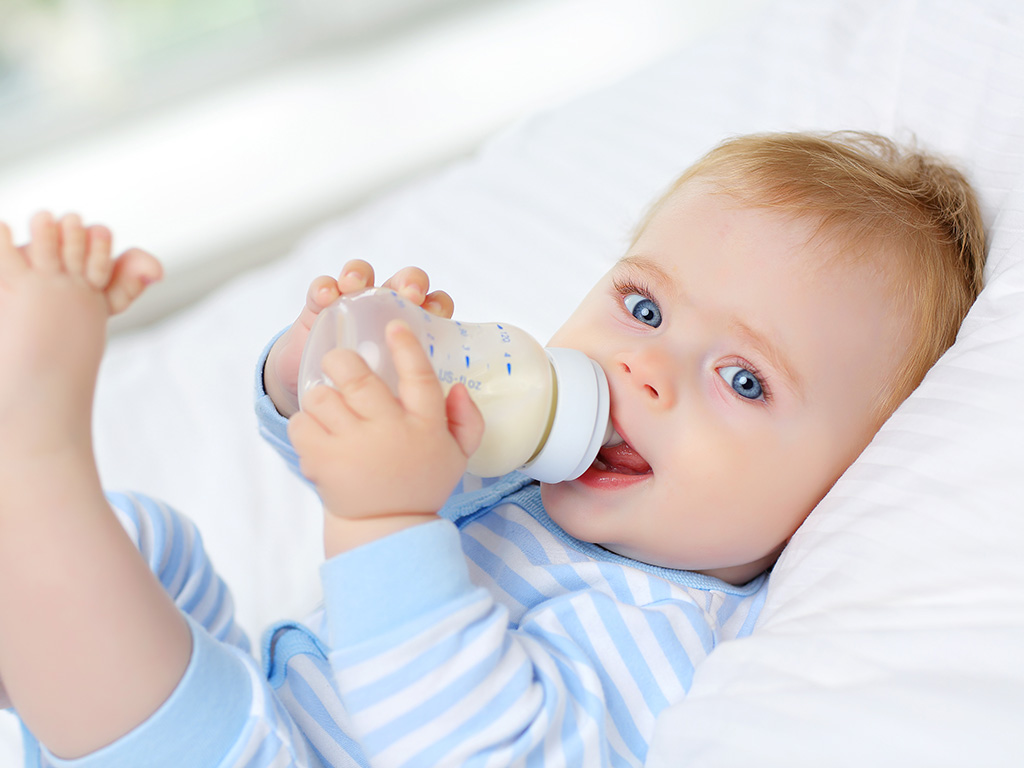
[{"x": 774, "y": 308}]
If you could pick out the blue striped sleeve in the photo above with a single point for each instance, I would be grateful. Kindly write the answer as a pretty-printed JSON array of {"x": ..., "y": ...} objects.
[
  {"x": 171, "y": 545},
  {"x": 425, "y": 571},
  {"x": 222, "y": 714},
  {"x": 273, "y": 427}
]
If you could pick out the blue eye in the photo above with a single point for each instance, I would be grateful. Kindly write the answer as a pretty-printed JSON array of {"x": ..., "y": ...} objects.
[
  {"x": 743, "y": 381},
  {"x": 643, "y": 309}
]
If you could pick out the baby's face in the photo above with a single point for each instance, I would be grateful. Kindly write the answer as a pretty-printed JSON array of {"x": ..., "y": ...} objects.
[{"x": 743, "y": 378}]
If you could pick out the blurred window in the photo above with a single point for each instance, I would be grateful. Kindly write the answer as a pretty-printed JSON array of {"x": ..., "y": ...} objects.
[{"x": 67, "y": 66}]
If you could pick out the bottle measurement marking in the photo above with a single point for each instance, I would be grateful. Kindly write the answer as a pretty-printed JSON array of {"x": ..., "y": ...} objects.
[{"x": 448, "y": 376}]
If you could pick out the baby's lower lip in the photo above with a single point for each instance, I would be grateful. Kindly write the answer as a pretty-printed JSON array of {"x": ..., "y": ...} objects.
[
  {"x": 616, "y": 466},
  {"x": 596, "y": 477}
]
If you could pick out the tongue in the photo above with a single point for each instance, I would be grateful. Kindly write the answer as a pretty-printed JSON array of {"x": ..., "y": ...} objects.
[{"x": 623, "y": 459}]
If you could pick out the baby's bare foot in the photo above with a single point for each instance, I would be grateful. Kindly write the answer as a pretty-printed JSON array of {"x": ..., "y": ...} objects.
[{"x": 56, "y": 295}]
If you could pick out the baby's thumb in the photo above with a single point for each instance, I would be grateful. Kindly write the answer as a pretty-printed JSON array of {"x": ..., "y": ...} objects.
[{"x": 465, "y": 421}]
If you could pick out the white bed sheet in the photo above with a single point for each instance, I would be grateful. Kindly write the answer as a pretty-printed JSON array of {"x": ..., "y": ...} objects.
[{"x": 894, "y": 627}]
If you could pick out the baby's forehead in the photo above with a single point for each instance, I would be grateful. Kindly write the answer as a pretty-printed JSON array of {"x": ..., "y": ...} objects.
[
  {"x": 823, "y": 242},
  {"x": 792, "y": 253},
  {"x": 834, "y": 236}
]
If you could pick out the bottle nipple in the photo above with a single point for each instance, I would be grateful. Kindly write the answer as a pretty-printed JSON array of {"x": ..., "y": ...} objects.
[
  {"x": 611, "y": 437},
  {"x": 580, "y": 425}
]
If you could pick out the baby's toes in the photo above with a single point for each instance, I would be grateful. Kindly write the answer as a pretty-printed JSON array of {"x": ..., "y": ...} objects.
[
  {"x": 43, "y": 249},
  {"x": 98, "y": 264},
  {"x": 133, "y": 272},
  {"x": 73, "y": 243},
  {"x": 12, "y": 261}
]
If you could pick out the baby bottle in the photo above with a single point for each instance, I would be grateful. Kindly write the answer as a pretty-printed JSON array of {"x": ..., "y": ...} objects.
[{"x": 545, "y": 410}]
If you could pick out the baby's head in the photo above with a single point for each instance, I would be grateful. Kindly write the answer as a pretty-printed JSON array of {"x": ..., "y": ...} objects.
[{"x": 775, "y": 307}]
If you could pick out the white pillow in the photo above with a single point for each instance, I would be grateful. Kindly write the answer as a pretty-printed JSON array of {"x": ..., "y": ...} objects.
[
  {"x": 893, "y": 633},
  {"x": 895, "y": 622}
]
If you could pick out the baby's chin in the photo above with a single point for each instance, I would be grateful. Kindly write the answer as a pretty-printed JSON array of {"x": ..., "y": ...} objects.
[{"x": 574, "y": 508}]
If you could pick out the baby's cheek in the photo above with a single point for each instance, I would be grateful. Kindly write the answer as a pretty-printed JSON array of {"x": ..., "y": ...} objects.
[{"x": 799, "y": 477}]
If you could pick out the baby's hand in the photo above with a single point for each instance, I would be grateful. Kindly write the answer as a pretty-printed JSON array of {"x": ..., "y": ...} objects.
[
  {"x": 281, "y": 373},
  {"x": 373, "y": 455}
]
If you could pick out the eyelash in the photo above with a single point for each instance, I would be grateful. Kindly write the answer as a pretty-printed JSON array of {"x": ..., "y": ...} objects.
[
  {"x": 624, "y": 287},
  {"x": 766, "y": 391}
]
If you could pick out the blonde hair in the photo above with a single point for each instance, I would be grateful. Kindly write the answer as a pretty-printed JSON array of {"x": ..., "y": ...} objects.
[{"x": 881, "y": 200}]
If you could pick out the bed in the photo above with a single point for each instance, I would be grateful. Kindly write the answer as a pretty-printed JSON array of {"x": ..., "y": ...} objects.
[{"x": 893, "y": 632}]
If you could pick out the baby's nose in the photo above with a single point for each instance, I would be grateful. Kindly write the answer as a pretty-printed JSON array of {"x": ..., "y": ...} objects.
[{"x": 650, "y": 372}]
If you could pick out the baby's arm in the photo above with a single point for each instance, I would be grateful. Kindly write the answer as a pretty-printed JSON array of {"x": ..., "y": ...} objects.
[{"x": 172, "y": 547}]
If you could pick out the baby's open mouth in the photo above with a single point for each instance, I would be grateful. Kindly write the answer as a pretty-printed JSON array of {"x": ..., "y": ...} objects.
[{"x": 619, "y": 456}]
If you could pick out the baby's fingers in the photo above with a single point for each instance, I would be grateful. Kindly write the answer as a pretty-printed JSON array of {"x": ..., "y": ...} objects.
[
  {"x": 418, "y": 387},
  {"x": 365, "y": 394},
  {"x": 355, "y": 276},
  {"x": 322, "y": 291},
  {"x": 439, "y": 303},
  {"x": 305, "y": 432},
  {"x": 410, "y": 283},
  {"x": 328, "y": 410},
  {"x": 465, "y": 421}
]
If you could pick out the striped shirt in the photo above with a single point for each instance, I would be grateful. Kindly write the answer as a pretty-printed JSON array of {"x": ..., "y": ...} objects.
[
  {"x": 498, "y": 641},
  {"x": 486, "y": 638}
]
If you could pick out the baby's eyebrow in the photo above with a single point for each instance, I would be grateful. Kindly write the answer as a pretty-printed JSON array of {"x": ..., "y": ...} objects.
[
  {"x": 652, "y": 269},
  {"x": 772, "y": 353}
]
